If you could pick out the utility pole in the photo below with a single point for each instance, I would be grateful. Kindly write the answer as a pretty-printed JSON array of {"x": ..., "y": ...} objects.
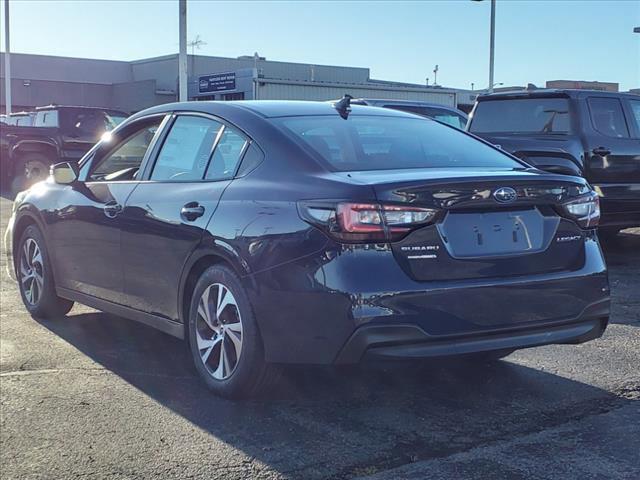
[
  {"x": 492, "y": 43},
  {"x": 182, "y": 56},
  {"x": 7, "y": 60},
  {"x": 435, "y": 76}
]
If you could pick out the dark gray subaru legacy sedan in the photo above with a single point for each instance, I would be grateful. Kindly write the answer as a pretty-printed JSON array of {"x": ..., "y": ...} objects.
[{"x": 266, "y": 233}]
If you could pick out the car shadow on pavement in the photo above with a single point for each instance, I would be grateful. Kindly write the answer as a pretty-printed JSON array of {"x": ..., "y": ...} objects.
[{"x": 339, "y": 423}]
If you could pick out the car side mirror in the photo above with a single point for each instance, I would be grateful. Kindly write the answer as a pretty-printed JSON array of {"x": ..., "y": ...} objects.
[{"x": 64, "y": 173}]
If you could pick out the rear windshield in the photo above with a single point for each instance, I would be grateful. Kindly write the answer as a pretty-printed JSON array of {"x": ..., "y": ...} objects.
[
  {"x": 386, "y": 143},
  {"x": 523, "y": 115}
]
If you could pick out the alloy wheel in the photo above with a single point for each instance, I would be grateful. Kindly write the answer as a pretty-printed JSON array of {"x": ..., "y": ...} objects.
[
  {"x": 219, "y": 331},
  {"x": 31, "y": 271}
]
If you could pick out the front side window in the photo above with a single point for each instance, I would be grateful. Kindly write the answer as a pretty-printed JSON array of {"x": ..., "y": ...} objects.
[
  {"x": 227, "y": 155},
  {"x": 388, "y": 143},
  {"x": 186, "y": 150},
  {"x": 607, "y": 117},
  {"x": 522, "y": 115},
  {"x": 124, "y": 161}
]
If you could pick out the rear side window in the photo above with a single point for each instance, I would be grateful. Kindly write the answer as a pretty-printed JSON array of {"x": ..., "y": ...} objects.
[
  {"x": 227, "y": 154},
  {"x": 522, "y": 115},
  {"x": 607, "y": 117},
  {"x": 387, "y": 143},
  {"x": 186, "y": 150},
  {"x": 47, "y": 118}
]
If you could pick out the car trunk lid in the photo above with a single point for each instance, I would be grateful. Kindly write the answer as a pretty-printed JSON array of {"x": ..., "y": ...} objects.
[{"x": 490, "y": 223}]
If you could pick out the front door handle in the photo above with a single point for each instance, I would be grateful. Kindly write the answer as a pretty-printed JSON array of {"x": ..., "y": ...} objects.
[
  {"x": 192, "y": 211},
  {"x": 112, "y": 209},
  {"x": 602, "y": 151}
]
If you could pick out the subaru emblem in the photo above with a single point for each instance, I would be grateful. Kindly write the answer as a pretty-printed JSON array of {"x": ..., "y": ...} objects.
[{"x": 505, "y": 195}]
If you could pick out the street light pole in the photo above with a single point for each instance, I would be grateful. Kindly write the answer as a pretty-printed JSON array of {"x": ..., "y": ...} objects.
[
  {"x": 492, "y": 43},
  {"x": 7, "y": 60},
  {"x": 182, "y": 56}
]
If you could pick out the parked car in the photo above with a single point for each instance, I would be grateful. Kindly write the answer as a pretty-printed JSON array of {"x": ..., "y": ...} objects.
[
  {"x": 590, "y": 133},
  {"x": 304, "y": 232},
  {"x": 442, "y": 113},
  {"x": 54, "y": 134}
]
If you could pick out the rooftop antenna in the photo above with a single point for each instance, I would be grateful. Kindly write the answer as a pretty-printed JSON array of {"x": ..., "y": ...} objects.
[
  {"x": 196, "y": 43},
  {"x": 343, "y": 106}
]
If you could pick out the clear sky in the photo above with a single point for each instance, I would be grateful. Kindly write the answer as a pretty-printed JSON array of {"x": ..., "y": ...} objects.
[{"x": 536, "y": 40}]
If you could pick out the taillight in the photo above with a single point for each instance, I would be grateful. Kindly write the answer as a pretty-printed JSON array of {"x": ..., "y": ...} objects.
[
  {"x": 585, "y": 210},
  {"x": 366, "y": 222}
]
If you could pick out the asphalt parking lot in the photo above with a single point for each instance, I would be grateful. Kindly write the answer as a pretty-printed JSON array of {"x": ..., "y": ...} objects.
[{"x": 96, "y": 396}]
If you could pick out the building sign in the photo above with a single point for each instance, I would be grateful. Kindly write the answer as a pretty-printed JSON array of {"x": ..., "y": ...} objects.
[{"x": 217, "y": 82}]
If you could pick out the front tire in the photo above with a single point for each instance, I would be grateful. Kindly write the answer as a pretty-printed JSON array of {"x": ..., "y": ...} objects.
[
  {"x": 35, "y": 277},
  {"x": 224, "y": 339},
  {"x": 33, "y": 168}
]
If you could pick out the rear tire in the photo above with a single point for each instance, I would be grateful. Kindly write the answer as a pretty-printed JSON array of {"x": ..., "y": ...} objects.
[
  {"x": 224, "y": 338},
  {"x": 35, "y": 277}
]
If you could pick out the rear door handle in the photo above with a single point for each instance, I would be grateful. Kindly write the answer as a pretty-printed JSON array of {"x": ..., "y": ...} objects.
[
  {"x": 112, "y": 209},
  {"x": 602, "y": 151},
  {"x": 192, "y": 211}
]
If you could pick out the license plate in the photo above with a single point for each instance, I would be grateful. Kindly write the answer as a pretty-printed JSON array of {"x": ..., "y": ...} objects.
[{"x": 493, "y": 233}]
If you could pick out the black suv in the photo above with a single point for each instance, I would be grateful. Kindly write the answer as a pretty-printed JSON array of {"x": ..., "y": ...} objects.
[{"x": 578, "y": 132}]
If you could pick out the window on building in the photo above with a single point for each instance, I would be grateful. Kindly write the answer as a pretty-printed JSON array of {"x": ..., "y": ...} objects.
[
  {"x": 226, "y": 155},
  {"x": 186, "y": 150},
  {"x": 607, "y": 117},
  {"x": 233, "y": 96}
]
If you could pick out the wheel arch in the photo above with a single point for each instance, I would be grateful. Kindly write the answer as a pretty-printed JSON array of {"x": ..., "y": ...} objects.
[
  {"x": 26, "y": 147},
  {"x": 25, "y": 219},
  {"x": 195, "y": 266}
]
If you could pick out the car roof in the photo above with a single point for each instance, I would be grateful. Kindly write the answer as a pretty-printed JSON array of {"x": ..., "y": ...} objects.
[
  {"x": 270, "y": 108},
  {"x": 552, "y": 92}
]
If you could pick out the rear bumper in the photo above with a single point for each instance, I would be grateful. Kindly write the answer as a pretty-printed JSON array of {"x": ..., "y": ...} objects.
[
  {"x": 312, "y": 310},
  {"x": 410, "y": 341},
  {"x": 620, "y": 204}
]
